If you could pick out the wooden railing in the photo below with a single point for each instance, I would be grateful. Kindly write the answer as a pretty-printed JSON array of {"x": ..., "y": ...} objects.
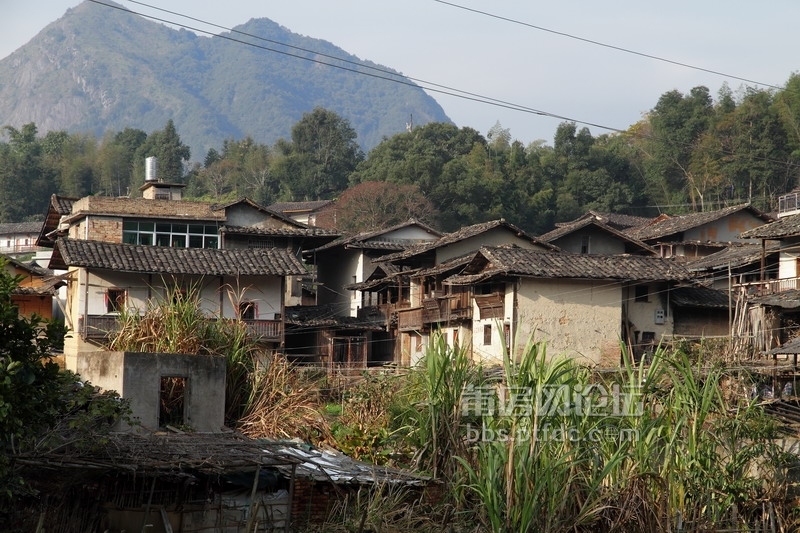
[
  {"x": 445, "y": 309},
  {"x": 770, "y": 286},
  {"x": 101, "y": 326},
  {"x": 409, "y": 319}
]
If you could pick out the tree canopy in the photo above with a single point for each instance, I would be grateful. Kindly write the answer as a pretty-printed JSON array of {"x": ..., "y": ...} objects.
[{"x": 691, "y": 152}]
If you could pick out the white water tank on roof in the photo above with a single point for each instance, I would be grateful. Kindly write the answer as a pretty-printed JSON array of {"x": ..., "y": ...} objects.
[{"x": 150, "y": 168}]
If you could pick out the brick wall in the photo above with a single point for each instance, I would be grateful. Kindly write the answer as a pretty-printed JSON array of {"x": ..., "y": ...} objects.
[{"x": 105, "y": 229}]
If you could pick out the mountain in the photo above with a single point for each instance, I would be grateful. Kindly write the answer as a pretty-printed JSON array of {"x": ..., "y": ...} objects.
[{"x": 99, "y": 69}]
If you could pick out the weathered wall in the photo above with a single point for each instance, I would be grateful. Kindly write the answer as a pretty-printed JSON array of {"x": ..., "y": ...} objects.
[
  {"x": 581, "y": 319},
  {"x": 641, "y": 315},
  {"x": 726, "y": 229},
  {"x": 494, "y": 237},
  {"x": 137, "y": 377},
  {"x": 600, "y": 242}
]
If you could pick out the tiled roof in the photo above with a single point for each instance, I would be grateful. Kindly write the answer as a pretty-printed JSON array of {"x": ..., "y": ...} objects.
[
  {"x": 783, "y": 299},
  {"x": 368, "y": 239},
  {"x": 59, "y": 206},
  {"x": 615, "y": 220},
  {"x": 736, "y": 255},
  {"x": 666, "y": 226},
  {"x": 266, "y": 210},
  {"x": 62, "y": 204},
  {"x": 783, "y": 227},
  {"x": 291, "y": 207},
  {"x": 620, "y": 221},
  {"x": 462, "y": 234},
  {"x": 279, "y": 232},
  {"x": 166, "y": 260},
  {"x": 324, "y": 316},
  {"x": 698, "y": 296},
  {"x": 12, "y": 228},
  {"x": 493, "y": 261},
  {"x": 143, "y": 207},
  {"x": 566, "y": 229}
]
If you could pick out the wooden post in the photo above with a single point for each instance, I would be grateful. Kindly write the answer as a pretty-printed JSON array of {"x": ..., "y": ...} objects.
[{"x": 251, "y": 520}]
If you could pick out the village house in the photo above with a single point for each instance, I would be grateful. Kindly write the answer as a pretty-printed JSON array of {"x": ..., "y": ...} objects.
[
  {"x": 120, "y": 254},
  {"x": 19, "y": 238},
  {"x": 351, "y": 259},
  {"x": 308, "y": 212},
  {"x": 592, "y": 235},
  {"x": 584, "y": 306},
  {"x": 37, "y": 289},
  {"x": 699, "y": 234},
  {"x": 772, "y": 303},
  {"x": 406, "y": 292}
]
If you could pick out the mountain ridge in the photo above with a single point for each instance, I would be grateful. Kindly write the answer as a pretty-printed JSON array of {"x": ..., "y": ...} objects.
[{"x": 99, "y": 69}]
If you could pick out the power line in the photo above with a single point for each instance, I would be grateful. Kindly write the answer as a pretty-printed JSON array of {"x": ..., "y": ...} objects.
[
  {"x": 378, "y": 73},
  {"x": 606, "y": 45},
  {"x": 384, "y": 74}
]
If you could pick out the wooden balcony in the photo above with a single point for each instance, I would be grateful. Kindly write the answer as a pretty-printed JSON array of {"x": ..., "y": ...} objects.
[
  {"x": 770, "y": 286},
  {"x": 445, "y": 309},
  {"x": 409, "y": 319},
  {"x": 375, "y": 313},
  {"x": 98, "y": 327}
]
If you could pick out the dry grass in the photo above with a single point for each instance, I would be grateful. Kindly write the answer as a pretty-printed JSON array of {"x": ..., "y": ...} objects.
[{"x": 285, "y": 404}]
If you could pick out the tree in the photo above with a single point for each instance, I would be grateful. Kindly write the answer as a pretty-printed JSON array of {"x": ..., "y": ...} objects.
[
  {"x": 42, "y": 408},
  {"x": 171, "y": 153},
  {"x": 380, "y": 204},
  {"x": 323, "y": 153}
]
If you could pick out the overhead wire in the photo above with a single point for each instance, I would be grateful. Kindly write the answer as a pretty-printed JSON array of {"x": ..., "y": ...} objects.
[
  {"x": 391, "y": 76},
  {"x": 606, "y": 45}
]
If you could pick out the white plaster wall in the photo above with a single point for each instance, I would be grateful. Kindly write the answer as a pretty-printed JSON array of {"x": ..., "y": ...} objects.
[
  {"x": 408, "y": 233},
  {"x": 787, "y": 264},
  {"x": 642, "y": 315},
  {"x": 600, "y": 242},
  {"x": 580, "y": 319},
  {"x": 494, "y": 237},
  {"x": 726, "y": 229}
]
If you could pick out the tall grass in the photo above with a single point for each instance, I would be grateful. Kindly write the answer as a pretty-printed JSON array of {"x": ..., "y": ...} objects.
[
  {"x": 176, "y": 323},
  {"x": 650, "y": 448}
]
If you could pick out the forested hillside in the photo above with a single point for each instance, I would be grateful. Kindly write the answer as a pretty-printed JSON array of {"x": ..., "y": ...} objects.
[
  {"x": 100, "y": 69},
  {"x": 692, "y": 152}
]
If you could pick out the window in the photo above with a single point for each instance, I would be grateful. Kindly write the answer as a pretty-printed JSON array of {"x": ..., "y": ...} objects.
[
  {"x": 163, "y": 233},
  {"x": 585, "y": 244},
  {"x": 487, "y": 335},
  {"x": 115, "y": 300},
  {"x": 172, "y": 396},
  {"x": 247, "y": 311},
  {"x": 642, "y": 292}
]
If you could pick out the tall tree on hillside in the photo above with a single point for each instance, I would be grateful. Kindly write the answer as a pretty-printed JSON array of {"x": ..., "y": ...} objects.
[
  {"x": 25, "y": 182},
  {"x": 323, "y": 153},
  {"x": 115, "y": 161},
  {"x": 172, "y": 154}
]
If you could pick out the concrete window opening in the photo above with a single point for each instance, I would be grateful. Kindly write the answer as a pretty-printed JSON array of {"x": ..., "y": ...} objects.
[
  {"x": 247, "y": 311},
  {"x": 115, "y": 300},
  {"x": 642, "y": 293},
  {"x": 172, "y": 401}
]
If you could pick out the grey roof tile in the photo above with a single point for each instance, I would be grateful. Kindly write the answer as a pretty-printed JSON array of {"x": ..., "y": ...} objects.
[
  {"x": 783, "y": 227},
  {"x": 166, "y": 260},
  {"x": 666, "y": 226},
  {"x": 493, "y": 261}
]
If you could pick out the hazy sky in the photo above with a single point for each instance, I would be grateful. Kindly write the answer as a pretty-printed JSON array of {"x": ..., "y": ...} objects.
[{"x": 513, "y": 61}]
